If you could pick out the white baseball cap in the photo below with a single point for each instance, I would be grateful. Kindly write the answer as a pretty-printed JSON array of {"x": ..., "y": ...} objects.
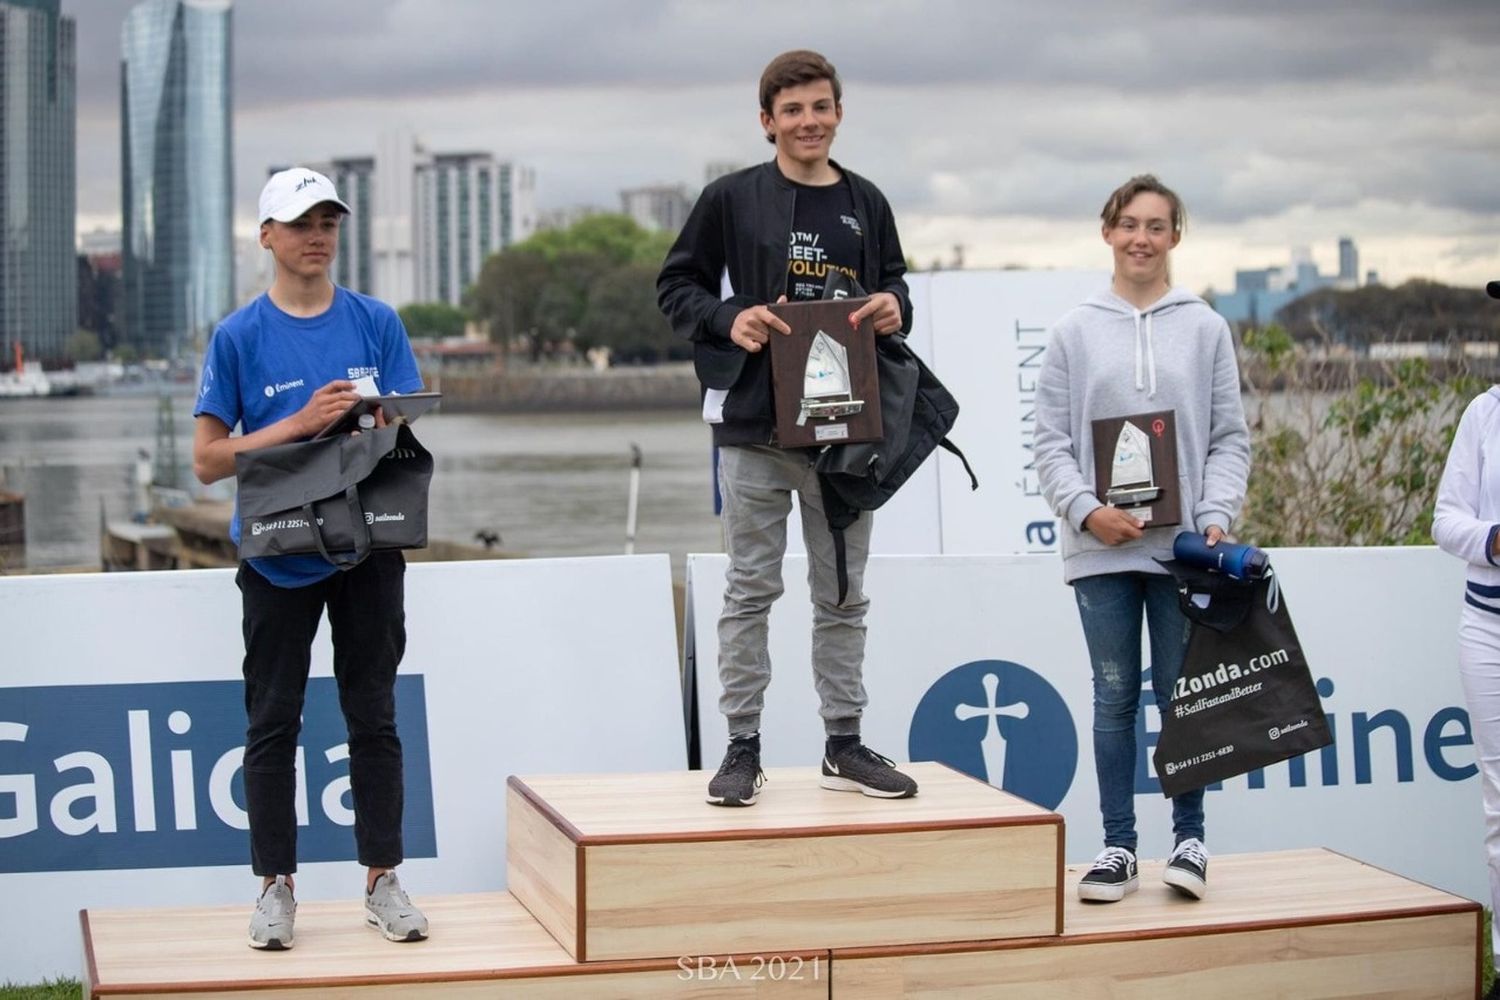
[{"x": 289, "y": 193}]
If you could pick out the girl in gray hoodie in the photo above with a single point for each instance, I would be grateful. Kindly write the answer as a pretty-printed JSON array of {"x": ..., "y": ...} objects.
[{"x": 1138, "y": 346}]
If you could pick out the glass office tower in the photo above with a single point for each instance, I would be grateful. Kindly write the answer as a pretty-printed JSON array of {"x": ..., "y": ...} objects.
[
  {"x": 176, "y": 174},
  {"x": 38, "y": 267}
]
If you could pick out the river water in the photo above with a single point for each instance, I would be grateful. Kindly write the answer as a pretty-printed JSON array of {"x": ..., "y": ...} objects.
[{"x": 547, "y": 484}]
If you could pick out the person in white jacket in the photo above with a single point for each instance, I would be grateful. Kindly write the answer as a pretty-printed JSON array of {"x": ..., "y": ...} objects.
[
  {"x": 1139, "y": 346},
  {"x": 1467, "y": 524}
]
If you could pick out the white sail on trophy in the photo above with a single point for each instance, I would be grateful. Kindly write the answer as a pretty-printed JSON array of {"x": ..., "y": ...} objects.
[
  {"x": 826, "y": 387},
  {"x": 1132, "y": 479}
]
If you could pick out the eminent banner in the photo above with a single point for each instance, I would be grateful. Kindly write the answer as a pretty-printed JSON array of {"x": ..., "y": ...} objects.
[
  {"x": 979, "y": 662},
  {"x": 122, "y": 727}
]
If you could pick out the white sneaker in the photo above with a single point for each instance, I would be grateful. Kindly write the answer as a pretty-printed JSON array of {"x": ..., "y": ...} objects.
[
  {"x": 389, "y": 910},
  {"x": 275, "y": 912}
]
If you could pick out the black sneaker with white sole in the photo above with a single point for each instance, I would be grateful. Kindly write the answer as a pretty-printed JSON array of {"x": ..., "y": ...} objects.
[
  {"x": 1187, "y": 868},
  {"x": 1111, "y": 877},
  {"x": 856, "y": 768},
  {"x": 738, "y": 780}
]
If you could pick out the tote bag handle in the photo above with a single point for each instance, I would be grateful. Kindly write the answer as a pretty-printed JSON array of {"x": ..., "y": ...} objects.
[{"x": 361, "y": 530}]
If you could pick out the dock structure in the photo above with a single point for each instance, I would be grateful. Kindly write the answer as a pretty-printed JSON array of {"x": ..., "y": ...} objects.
[{"x": 12, "y": 531}]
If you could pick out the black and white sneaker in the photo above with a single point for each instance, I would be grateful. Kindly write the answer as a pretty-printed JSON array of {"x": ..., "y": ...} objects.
[
  {"x": 1187, "y": 868},
  {"x": 857, "y": 768},
  {"x": 738, "y": 780},
  {"x": 1111, "y": 878}
]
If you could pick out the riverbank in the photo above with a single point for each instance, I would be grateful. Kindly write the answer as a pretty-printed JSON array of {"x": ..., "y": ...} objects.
[
  {"x": 569, "y": 390},
  {"x": 542, "y": 484}
]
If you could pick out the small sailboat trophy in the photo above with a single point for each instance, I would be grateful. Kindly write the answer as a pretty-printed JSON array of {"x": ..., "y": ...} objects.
[
  {"x": 826, "y": 388},
  {"x": 1132, "y": 480}
]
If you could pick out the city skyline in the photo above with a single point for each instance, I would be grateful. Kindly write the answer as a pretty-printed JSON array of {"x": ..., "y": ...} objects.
[
  {"x": 998, "y": 127},
  {"x": 38, "y": 274}
]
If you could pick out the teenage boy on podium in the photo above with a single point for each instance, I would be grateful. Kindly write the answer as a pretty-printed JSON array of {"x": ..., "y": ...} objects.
[
  {"x": 283, "y": 367},
  {"x": 732, "y": 259}
]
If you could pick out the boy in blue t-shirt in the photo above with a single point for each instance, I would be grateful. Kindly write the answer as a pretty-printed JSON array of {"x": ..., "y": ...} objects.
[{"x": 281, "y": 368}]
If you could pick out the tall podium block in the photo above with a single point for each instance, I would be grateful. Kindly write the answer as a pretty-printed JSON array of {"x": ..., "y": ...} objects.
[{"x": 640, "y": 867}]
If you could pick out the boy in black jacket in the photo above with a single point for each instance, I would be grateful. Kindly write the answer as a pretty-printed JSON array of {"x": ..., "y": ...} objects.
[{"x": 765, "y": 234}]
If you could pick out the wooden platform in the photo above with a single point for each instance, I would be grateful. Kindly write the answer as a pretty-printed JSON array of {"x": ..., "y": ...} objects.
[
  {"x": 1303, "y": 924},
  {"x": 618, "y": 884},
  {"x": 482, "y": 946},
  {"x": 639, "y": 866}
]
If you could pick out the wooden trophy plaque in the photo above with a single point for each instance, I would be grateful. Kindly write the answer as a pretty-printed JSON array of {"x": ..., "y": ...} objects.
[
  {"x": 1135, "y": 466},
  {"x": 823, "y": 375}
]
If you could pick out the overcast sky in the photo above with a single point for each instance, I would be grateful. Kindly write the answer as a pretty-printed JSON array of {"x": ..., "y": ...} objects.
[{"x": 997, "y": 125}]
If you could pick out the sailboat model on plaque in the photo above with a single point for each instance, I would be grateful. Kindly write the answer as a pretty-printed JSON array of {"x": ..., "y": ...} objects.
[
  {"x": 823, "y": 375},
  {"x": 1135, "y": 466},
  {"x": 826, "y": 391}
]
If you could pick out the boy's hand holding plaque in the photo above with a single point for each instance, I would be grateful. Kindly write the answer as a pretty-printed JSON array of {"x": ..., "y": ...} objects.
[{"x": 823, "y": 375}]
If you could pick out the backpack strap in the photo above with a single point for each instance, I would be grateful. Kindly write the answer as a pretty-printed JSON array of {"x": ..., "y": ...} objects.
[
  {"x": 840, "y": 515},
  {"x": 953, "y": 449}
]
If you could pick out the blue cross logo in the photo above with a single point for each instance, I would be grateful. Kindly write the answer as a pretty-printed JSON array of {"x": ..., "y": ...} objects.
[{"x": 1001, "y": 723}]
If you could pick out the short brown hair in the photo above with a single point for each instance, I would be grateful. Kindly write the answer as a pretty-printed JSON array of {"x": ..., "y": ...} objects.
[
  {"x": 792, "y": 69},
  {"x": 1143, "y": 184}
]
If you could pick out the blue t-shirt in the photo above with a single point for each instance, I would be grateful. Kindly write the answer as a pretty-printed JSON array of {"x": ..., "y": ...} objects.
[{"x": 264, "y": 364}]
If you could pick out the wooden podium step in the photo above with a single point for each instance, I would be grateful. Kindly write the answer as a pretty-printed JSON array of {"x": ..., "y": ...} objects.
[
  {"x": 482, "y": 946},
  {"x": 639, "y": 866},
  {"x": 1306, "y": 924}
]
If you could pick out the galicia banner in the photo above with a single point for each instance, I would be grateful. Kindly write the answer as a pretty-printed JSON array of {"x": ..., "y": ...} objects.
[{"x": 112, "y": 776}]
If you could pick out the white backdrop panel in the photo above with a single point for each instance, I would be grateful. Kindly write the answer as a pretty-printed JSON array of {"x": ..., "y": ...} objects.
[
  {"x": 527, "y": 666},
  {"x": 1379, "y": 624}
]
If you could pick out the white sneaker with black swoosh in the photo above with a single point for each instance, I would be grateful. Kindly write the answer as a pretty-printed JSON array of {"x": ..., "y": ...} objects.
[
  {"x": 271, "y": 926},
  {"x": 390, "y": 910}
]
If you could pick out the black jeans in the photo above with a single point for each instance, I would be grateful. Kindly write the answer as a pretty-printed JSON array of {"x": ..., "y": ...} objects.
[{"x": 366, "y": 611}]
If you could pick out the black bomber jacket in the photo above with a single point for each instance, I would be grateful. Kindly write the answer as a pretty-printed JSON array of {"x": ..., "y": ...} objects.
[{"x": 740, "y": 230}]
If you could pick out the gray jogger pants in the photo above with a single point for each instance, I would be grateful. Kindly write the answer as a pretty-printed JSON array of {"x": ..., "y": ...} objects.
[{"x": 756, "y": 483}]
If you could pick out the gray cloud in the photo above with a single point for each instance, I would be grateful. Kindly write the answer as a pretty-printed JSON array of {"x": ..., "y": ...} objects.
[
  {"x": 374, "y": 48},
  {"x": 988, "y": 110}
]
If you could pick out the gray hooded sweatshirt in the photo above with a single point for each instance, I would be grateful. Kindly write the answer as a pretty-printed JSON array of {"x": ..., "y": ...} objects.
[{"x": 1106, "y": 358}]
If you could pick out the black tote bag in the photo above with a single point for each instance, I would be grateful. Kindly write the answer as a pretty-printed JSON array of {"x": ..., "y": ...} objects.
[
  {"x": 341, "y": 497},
  {"x": 1245, "y": 697}
]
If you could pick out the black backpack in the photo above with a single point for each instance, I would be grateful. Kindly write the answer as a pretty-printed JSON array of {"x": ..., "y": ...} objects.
[{"x": 916, "y": 413}]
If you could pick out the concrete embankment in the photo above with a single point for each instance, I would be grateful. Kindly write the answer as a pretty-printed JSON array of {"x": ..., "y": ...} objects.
[{"x": 557, "y": 390}]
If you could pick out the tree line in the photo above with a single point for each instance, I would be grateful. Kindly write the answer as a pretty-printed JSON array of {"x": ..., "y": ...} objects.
[
  {"x": 590, "y": 285},
  {"x": 1421, "y": 311}
]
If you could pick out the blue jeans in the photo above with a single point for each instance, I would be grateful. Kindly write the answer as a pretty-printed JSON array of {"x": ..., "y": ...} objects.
[{"x": 1110, "y": 607}]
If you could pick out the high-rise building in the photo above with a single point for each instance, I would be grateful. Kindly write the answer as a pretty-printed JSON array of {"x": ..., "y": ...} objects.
[
  {"x": 177, "y": 184},
  {"x": 354, "y": 264},
  {"x": 1259, "y": 294},
  {"x": 657, "y": 206},
  {"x": 1348, "y": 263},
  {"x": 423, "y": 223},
  {"x": 38, "y": 267},
  {"x": 469, "y": 206}
]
